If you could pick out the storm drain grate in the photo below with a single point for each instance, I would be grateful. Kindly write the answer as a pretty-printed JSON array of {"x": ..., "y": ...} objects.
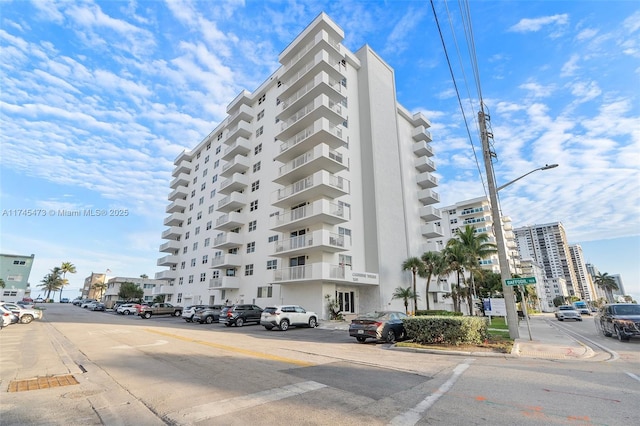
[{"x": 42, "y": 383}]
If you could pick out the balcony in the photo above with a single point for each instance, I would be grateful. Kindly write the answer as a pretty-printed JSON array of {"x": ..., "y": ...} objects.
[
  {"x": 224, "y": 283},
  {"x": 321, "y": 157},
  {"x": 170, "y": 246},
  {"x": 428, "y": 196},
  {"x": 422, "y": 149},
  {"x": 429, "y": 213},
  {"x": 170, "y": 260},
  {"x": 232, "y": 202},
  {"x": 420, "y": 133},
  {"x": 240, "y": 146},
  {"x": 180, "y": 192},
  {"x": 320, "y": 211},
  {"x": 322, "y": 83},
  {"x": 239, "y": 164},
  {"x": 427, "y": 180},
  {"x": 472, "y": 220},
  {"x": 321, "y": 106},
  {"x": 226, "y": 261},
  {"x": 162, "y": 289},
  {"x": 178, "y": 205},
  {"x": 182, "y": 179},
  {"x": 243, "y": 98},
  {"x": 325, "y": 39},
  {"x": 322, "y": 61},
  {"x": 229, "y": 221},
  {"x": 238, "y": 182},
  {"x": 322, "y": 130},
  {"x": 431, "y": 230},
  {"x": 322, "y": 240},
  {"x": 242, "y": 129},
  {"x": 227, "y": 240},
  {"x": 169, "y": 274},
  {"x": 475, "y": 210},
  {"x": 174, "y": 219},
  {"x": 321, "y": 184},
  {"x": 424, "y": 164},
  {"x": 244, "y": 112},
  {"x": 172, "y": 233},
  {"x": 183, "y": 166},
  {"x": 317, "y": 272}
]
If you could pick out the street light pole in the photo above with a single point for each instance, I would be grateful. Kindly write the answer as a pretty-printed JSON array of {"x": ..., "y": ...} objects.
[
  {"x": 505, "y": 272},
  {"x": 546, "y": 167}
]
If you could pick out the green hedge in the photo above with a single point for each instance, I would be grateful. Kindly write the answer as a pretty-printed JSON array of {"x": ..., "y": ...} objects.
[
  {"x": 438, "y": 313},
  {"x": 450, "y": 330}
]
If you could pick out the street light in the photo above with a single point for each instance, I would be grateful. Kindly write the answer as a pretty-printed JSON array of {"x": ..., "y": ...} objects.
[{"x": 546, "y": 167}]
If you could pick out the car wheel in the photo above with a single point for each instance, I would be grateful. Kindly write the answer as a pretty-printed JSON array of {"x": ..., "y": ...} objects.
[
  {"x": 177, "y": 313},
  {"x": 621, "y": 336},
  {"x": 605, "y": 332},
  {"x": 26, "y": 319},
  {"x": 390, "y": 336},
  {"x": 268, "y": 327},
  {"x": 208, "y": 320},
  {"x": 361, "y": 339},
  {"x": 227, "y": 324},
  {"x": 560, "y": 319},
  {"x": 126, "y": 312},
  {"x": 147, "y": 315},
  {"x": 239, "y": 322},
  {"x": 284, "y": 325},
  {"x": 312, "y": 322}
]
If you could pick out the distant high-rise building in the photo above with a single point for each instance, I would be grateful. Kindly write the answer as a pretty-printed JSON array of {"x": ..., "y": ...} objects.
[
  {"x": 317, "y": 184},
  {"x": 14, "y": 271},
  {"x": 620, "y": 291},
  {"x": 547, "y": 245},
  {"x": 593, "y": 273},
  {"x": 583, "y": 283}
]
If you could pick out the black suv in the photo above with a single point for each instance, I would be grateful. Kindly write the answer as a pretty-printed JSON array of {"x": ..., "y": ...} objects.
[
  {"x": 209, "y": 314},
  {"x": 239, "y": 315}
]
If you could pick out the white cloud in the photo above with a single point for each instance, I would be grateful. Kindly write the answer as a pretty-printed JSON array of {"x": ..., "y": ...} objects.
[
  {"x": 531, "y": 25},
  {"x": 570, "y": 67}
]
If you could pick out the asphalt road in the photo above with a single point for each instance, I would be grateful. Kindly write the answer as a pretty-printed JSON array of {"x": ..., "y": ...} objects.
[{"x": 166, "y": 371}]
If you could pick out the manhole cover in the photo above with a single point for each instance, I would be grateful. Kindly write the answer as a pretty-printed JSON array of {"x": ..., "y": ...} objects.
[{"x": 42, "y": 383}]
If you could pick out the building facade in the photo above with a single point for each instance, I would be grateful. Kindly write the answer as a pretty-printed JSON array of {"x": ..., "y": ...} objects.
[
  {"x": 14, "y": 271},
  {"x": 113, "y": 288},
  {"x": 317, "y": 185},
  {"x": 89, "y": 289},
  {"x": 583, "y": 283}
]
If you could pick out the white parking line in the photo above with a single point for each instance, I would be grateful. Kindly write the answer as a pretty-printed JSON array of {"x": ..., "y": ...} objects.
[
  {"x": 227, "y": 406},
  {"x": 414, "y": 415},
  {"x": 633, "y": 376}
]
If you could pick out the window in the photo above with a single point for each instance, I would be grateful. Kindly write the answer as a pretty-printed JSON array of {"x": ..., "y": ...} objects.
[
  {"x": 258, "y": 149},
  {"x": 344, "y": 231},
  {"x": 253, "y": 225},
  {"x": 205, "y": 259},
  {"x": 266, "y": 291},
  {"x": 197, "y": 156},
  {"x": 195, "y": 246},
  {"x": 206, "y": 159},
  {"x": 193, "y": 262},
  {"x": 190, "y": 206},
  {"x": 212, "y": 193},
  {"x": 208, "y": 146},
  {"x": 209, "y": 224},
  {"x": 215, "y": 273},
  {"x": 188, "y": 221},
  {"x": 179, "y": 298},
  {"x": 185, "y": 249},
  {"x": 214, "y": 179},
  {"x": 190, "y": 279},
  {"x": 219, "y": 137},
  {"x": 203, "y": 277},
  {"x": 273, "y": 238},
  {"x": 207, "y": 242},
  {"x": 256, "y": 167},
  {"x": 197, "y": 165},
  {"x": 260, "y": 115},
  {"x": 218, "y": 148},
  {"x": 199, "y": 216},
  {"x": 253, "y": 206},
  {"x": 230, "y": 272},
  {"x": 248, "y": 269},
  {"x": 216, "y": 164},
  {"x": 262, "y": 99},
  {"x": 182, "y": 265},
  {"x": 211, "y": 208},
  {"x": 181, "y": 281},
  {"x": 272, "y": 264},
  {"x": 197, "y": 230},
  {"x": 203, "y": 186},
  {"x": 255, "y": 186},
  {"x": 452, "y": 221},
  {"x": 251, "y": 247},
  {"x": 204, "y": 172},
  {"x": 186, "y": 235},
  {"x": 193, "y": 193},
  {"x": 195, "y": 180}
]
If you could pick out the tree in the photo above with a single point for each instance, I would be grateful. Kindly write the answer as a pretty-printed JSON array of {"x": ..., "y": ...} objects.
[
  {"x": 432, "y": 262},
  {"x": 606, "y": 283},
  {"x": 100, "y": 288},
  {"x": 144, "y": 276},
  {"x": 456, "y": 258},
  {"x": 130, "y": 291},
  {"x": 405, "y": 294},
  {"x": 1, "y": 283},
  {"x": 416, "y": 267},
  {"x": 51, "y": 282},
  {"x": 64, "y": 268}
]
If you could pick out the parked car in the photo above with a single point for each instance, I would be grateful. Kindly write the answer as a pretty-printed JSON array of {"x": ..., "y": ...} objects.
[
  {"x": 77, "y": 301},
  {"x": 567, "y": 312},
  {"x": 25, "y": 304},
  {"x": 382, "y": 325},
  {"x": 190, "y": 311},
  {"x": 128, "y": 309},
  {"x": 286, "y": 315},
  {"x": 39, "y": 300},
  {"x": 64, "y": 300},
  {"x": 239, "y": 315},
  {"x": 25, "y": 316},
  {"x": 208, "y": 315},
  {"x": 86, "y": 302},
  {"x": 8, "y": 317},
  {"x": 619, "y": 319},
  {"x": 96, "y": 306}
]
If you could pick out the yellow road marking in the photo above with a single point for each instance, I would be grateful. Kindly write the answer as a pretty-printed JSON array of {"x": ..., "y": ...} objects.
[{"x": 234, "y": 349}]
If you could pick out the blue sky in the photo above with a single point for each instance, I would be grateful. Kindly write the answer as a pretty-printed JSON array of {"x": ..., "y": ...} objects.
[{"x": 97, "y": 98}]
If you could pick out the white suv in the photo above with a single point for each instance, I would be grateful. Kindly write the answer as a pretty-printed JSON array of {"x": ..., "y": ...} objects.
[{"x": 285, "y": 315}]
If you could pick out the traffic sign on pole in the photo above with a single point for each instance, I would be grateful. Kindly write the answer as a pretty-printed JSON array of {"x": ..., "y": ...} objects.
[{"x": 521, "y": 281}]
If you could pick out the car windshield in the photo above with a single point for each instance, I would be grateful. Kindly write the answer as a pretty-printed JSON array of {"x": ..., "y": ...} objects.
[
  {"x": 566, "y": 308},
  {"x": 627, "y": 310}
]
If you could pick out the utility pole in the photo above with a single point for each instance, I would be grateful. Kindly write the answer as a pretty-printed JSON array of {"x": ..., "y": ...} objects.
[{"x": 505, "y": 271}]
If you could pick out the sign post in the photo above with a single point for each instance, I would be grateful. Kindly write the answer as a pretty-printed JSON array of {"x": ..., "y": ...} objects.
[{"x": 518, "y": 282}]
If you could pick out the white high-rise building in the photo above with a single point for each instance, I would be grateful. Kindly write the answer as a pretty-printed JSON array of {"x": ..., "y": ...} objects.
[
  {"x": 317, "y": 184},
  {"x": 583, "y": 283}
]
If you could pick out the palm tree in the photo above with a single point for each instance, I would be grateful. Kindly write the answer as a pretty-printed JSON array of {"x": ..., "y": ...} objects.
[
  {"x": 606, "y": 283},
  {"x": 51, "y": 281},
  {"x": 64, "y": 268},
  {"x": 100, "y": 288},
  {"x": 416, "y": 267},
  {"x": 432, "y": 261},
  {"x": 456, "y": 259},
  {"x": 405, "y": 294}
]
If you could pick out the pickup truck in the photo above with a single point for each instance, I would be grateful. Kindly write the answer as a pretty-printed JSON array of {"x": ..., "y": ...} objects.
[{"x": 159, "y": 309}]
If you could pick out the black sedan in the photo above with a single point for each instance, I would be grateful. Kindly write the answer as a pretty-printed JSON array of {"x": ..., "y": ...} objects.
[
  {"x": 621, "y": 319},
  {"x": 382, "y": 325}
]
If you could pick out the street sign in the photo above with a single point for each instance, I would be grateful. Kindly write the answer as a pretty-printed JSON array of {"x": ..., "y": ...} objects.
[{"x": 521, "y": 281}]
